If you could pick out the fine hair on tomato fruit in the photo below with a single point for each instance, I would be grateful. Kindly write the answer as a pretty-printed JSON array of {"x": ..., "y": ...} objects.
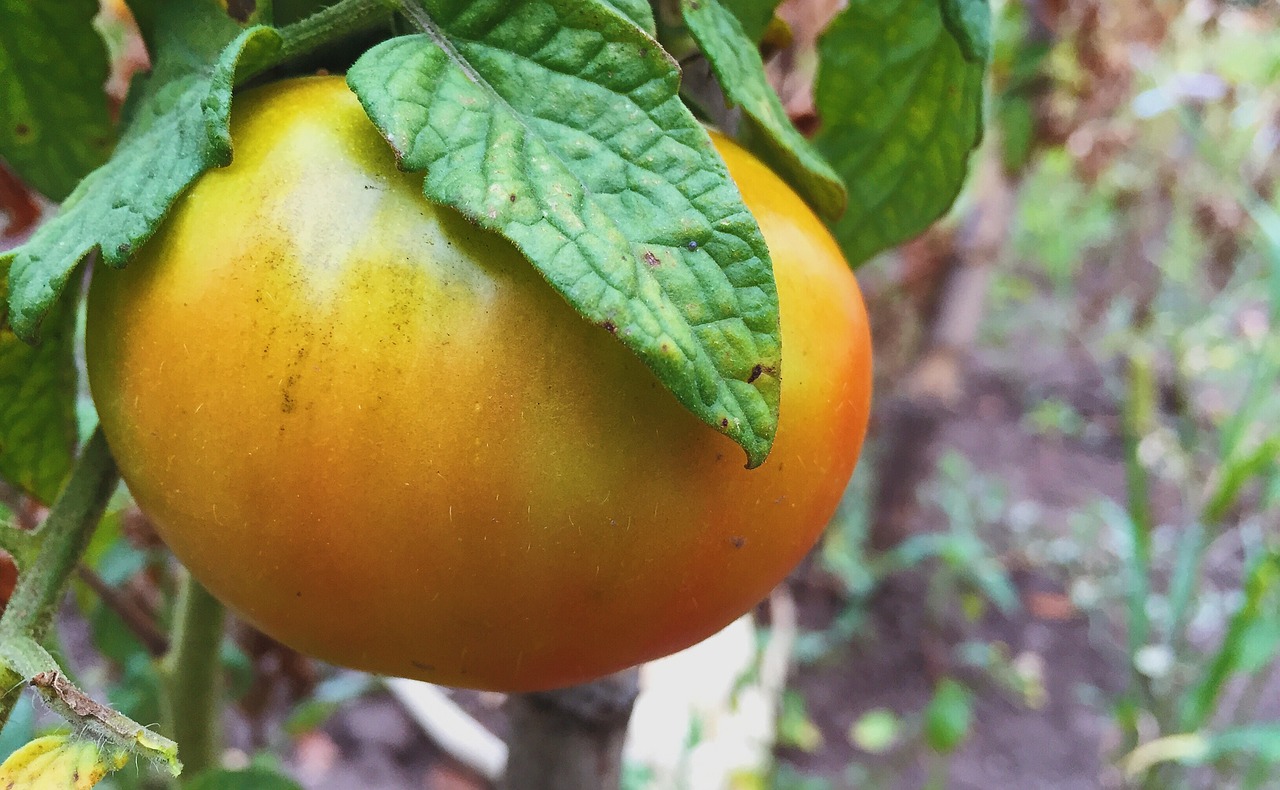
[{"x": 374, "y": 431}]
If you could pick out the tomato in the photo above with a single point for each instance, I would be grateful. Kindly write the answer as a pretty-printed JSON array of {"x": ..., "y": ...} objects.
[{"x": 375, "y": 432}]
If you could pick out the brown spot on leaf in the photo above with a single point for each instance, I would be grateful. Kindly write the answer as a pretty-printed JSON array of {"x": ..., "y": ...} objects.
[
  {"x": 610, "y": 326},
  {"x": 512, "y": 198},
  {"x": 724, "y": 422},
  {"x": 755, "y": 373},
  {"x": 22, "y": 130},
  {"x": 651, "y": 259}
]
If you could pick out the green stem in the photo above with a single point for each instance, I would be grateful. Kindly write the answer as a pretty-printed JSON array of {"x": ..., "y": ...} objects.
[
  {"x": 329, "y": 24},
  {"x": 193, "y": 677},
  {"x": 1138, "y": 418},
  {"x": 332, "y": 23},
  {"x": 63, "y": 538}
]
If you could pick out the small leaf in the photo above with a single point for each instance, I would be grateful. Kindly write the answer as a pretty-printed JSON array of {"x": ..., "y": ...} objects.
[
  {"x": 740, "y": 72},
  {"x": 178, "y": 129},
  {"x": 53, "y": 64},
  {"x": 59, "y": 762},
  {"x": 248, "y": 779},
  {"x": 901, "y": 108},
  {"x": 38, "y": 405},
  {"x": 574, "y": 144},
  {"x": 947, "y": 719},
  {"x": 876, "y": 731},
  {"x": 795, "y": 729}
]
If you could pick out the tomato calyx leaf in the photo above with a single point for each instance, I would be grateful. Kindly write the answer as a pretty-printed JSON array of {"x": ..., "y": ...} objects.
[{"x": 583, "y": 155}]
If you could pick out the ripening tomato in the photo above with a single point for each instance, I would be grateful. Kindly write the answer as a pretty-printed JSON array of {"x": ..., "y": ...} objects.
[{"x": 376, "y": 433}]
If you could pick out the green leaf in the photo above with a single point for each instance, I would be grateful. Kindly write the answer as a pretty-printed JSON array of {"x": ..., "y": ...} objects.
[
  {"x": 331, "y": 694},
  {"x": 638, "y": 11},
  {"x": 558, "y": 124},
  {"x": 947, "y": 719},
  {"x": 178, "y": 129},
  {"x": 1259, "y": 741},
  {"x": 740, "y": 72},
  {"x": 1251, "y": 643},
  {"x": 248, "y": 779},
  {"x": 37, "y": 405},
  {"x": 901, "y": 108},
  {"x": 755, "y": 15},
  {"x": 1256, "y": 740},
  {"x": 53, "y": 65},
  {"x": 876, "y": 731}
]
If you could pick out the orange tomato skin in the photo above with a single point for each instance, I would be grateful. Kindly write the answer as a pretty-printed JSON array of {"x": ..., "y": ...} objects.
[{"x": 375, "y": 432}]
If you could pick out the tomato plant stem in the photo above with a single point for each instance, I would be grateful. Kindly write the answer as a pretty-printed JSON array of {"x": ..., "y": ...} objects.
[
  {"x": 61, "y": 540},
  {"x": 332, "y": 23},
  {"x": 570, "y": 739},
  {"x": 193, "y": 677}
]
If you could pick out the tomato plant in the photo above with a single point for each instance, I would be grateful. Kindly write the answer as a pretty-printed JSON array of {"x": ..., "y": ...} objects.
[
  {"x": 362, "y": 423},
  {"x": 467, "y": 365}
]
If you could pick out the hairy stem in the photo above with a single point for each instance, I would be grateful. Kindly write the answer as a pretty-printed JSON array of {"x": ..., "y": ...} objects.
[
  {"x": 63, "y": 538},
  {"x": 193, "y": 677},
  {"x": 570, "y": 739},
  {"x": 332, "y": 23}
]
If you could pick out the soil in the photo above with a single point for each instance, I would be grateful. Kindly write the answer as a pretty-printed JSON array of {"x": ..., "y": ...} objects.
[{"x": 1064, "y": 743}]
